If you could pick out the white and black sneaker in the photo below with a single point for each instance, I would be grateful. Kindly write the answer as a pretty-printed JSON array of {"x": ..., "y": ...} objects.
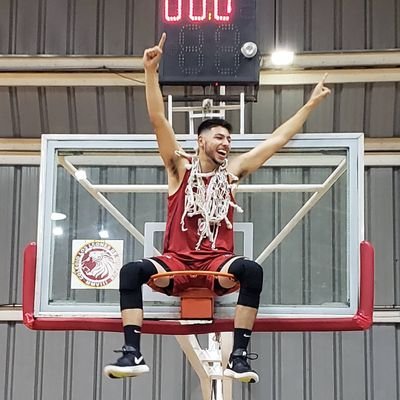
[
  {"x": 239, "y": 368},
  {"x": 130, "y": 364}
]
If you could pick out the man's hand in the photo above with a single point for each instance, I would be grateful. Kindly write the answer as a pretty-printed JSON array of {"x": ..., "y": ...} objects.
[
  {"x": 319, "y": 93},
  {"x": 152, "y": 56}
]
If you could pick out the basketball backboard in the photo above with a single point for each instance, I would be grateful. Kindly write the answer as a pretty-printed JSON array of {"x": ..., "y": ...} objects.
[{"x": 104, "y": 197}]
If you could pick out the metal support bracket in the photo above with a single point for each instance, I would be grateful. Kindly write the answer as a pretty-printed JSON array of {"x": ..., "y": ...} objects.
[{"x": 209, "y": 363}]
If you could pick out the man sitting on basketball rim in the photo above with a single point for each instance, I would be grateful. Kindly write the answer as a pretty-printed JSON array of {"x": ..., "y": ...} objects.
[{"x": 199, "y": 234}]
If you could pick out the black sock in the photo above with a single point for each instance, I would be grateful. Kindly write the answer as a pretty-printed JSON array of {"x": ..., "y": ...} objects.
[
  {"x": 241, "y": 338},
  {"x": 132, "y": 336}
]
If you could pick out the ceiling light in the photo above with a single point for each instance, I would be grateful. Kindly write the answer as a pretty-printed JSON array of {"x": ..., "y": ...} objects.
[
  {"x": 58, "y": 231},
  {"x": 282, "y": 57},
  {"x": 56, "y": 216}
]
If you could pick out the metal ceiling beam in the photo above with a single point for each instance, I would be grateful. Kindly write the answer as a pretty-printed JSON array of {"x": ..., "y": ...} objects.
[
  {"x": 332, "y": 59},
  {"x": 101, "y": 71},
  {"x": 126, "y": 79},
  {"x": 379, "y": 152}
]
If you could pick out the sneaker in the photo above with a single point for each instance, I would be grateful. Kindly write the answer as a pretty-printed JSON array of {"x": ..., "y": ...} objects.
[
  {"x": 239, "y": 368},
  {"x": 130, "y": 364}
]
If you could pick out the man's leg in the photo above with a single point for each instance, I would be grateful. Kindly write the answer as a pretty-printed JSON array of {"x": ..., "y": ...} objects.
[
  {"x": 132, "y": 276},
  {"x": 250, "y": 276}
]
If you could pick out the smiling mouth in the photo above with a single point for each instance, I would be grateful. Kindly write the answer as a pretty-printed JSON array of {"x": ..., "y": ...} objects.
[{"x": 222, "y": 153}]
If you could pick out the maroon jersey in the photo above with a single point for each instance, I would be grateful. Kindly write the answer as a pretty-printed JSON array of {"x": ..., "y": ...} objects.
[{"x": 182, "y": 244}]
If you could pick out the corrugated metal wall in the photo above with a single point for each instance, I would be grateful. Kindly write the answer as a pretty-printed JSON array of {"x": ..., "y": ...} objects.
[{"x": 67, "y": 366}]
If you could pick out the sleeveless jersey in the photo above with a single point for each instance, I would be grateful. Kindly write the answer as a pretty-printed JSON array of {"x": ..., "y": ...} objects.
[{"x": 182, "y": 244}]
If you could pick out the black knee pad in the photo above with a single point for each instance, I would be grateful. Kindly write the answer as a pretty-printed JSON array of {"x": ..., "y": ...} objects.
[
  {"x": 250, "y": 276},
  {"x": 131, "y": 278}
]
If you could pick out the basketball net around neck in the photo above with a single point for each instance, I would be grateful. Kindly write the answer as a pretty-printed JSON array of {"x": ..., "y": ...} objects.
[{"x": 210, "y": 201}]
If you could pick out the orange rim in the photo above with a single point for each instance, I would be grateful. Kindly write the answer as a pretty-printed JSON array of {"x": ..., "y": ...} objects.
[{"x": 172, "y": 274}]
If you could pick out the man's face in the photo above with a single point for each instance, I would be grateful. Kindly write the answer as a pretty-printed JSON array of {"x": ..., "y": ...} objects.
[{"x": 215, "y": 143}]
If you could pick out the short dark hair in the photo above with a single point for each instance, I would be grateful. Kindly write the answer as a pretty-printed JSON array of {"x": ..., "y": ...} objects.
[{"x": 212, "y": 123}]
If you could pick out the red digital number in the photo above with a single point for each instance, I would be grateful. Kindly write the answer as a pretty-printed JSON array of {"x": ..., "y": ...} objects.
[
  {"x": 220, "y": 9},
  {"x": 173, "y": 10},
  {"x": 192, "y": 11},
  {"x": 222, "y": 12}
]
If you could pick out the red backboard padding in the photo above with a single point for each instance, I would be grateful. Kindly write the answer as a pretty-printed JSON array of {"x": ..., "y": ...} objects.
[{"x": 360, "y": 321}]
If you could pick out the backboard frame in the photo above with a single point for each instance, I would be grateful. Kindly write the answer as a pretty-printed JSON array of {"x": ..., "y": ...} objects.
[{"x": 352, "y": 142}]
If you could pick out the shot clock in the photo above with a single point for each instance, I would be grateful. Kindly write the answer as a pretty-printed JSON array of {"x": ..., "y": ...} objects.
[{"x": 209, "y": 42}]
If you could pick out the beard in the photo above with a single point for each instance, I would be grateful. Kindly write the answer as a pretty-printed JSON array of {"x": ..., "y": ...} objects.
[{"x": 211, "y": 155}]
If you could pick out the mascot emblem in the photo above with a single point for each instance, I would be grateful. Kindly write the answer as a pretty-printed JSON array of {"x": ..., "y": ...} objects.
[{"x": 96, "y": 263}]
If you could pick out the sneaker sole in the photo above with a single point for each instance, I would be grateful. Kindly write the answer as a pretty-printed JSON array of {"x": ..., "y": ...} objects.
[
  {"x": 113, "y": 371},
  {"x": 246, "y": 377}
]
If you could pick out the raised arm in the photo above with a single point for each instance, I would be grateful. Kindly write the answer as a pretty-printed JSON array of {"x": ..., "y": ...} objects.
[
  {"x": 167, "y": 143},
  {"x": 252, "y": 160}
]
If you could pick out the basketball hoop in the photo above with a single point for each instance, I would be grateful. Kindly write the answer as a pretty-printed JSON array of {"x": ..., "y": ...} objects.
[{"x": 196, "y": 302}]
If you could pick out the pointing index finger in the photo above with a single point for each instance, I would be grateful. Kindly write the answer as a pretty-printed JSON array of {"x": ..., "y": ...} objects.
[
  {"x": 162, "y": 40},
  {"x": 324, "y": 78}
]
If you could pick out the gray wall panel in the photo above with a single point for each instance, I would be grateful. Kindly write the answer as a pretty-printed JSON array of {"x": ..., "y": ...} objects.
[
  {"x": 27, "y": 227},
  {"x": 352, "y": 367},
  {"x": 29, "y": 112},
  {"x": 25, "y": 354},
  {"x": 83, "y": 365},
  {"x": 171, "y": 379},
  {"x": 352, "y": 22},
  {"x": 87, "y": 110},
  {"x": 127, "y": 27},
  {"x": 263, "y": 116},
  {"x": 291, "y": 348},
  {"x": 142, "y": 125},
  {"x": 396, "y": 217},
  {"x": 323, "y": 367},
  {"x": 385, "y": 363},
  {"x": 52, "y": 366},
  {"x": 381, "y": 112},
  {"x": 265, "y": 26},
  {"x": 383, "y": 24},
  {"x": 4, "y": 27},
  {"x": 56, "y": 28},
  {"x": 115, "y": 110},
  {"x": 322, "y": 34},
  {"x": 85, "y": 20},
  {"x": 349, "y": 116},
  {"x": 291, "y": 24},
  {"x": 379, "y": 230},
  {"x": 113, "y": 27},
  {"x": 58, "y": 111},
  {"x": 291, "y": 99},
  {"x": 6, "y": 116},
  {"x": 144, "y": 25},
  {"x": 58, "y": 365},
  {"x": 26, "y": 18},
  {"x": 8, "y": 218}
]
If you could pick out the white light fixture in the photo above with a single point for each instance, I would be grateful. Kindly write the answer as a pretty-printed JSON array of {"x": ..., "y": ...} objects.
[
  {"x": 58, "y": 231},
  {"x": 80, "y": 174},
  {"x": 56, "y": 216},
  {"x": 104, "y": 234},
  {"x": 282, "y": 57}
]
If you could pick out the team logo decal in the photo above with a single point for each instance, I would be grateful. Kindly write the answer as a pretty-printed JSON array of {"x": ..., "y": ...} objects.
[{"x": 96, "y": 264}]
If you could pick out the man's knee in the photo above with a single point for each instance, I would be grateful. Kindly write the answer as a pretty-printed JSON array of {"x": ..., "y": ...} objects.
[
  {"x": 250, "y": 276},
  {"x": 135, "y": 274},
  {"x": 248, "y": 273}
]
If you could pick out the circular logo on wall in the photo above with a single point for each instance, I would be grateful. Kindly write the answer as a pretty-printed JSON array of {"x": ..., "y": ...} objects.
[{"x": 96, "y": 263}]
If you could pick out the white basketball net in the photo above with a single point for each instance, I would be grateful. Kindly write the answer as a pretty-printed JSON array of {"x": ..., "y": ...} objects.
[{"x": 210, "y": 201}]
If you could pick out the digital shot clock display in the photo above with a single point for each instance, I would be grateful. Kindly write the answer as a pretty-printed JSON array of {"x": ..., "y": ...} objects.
[{"x": 209, "y": 42}]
